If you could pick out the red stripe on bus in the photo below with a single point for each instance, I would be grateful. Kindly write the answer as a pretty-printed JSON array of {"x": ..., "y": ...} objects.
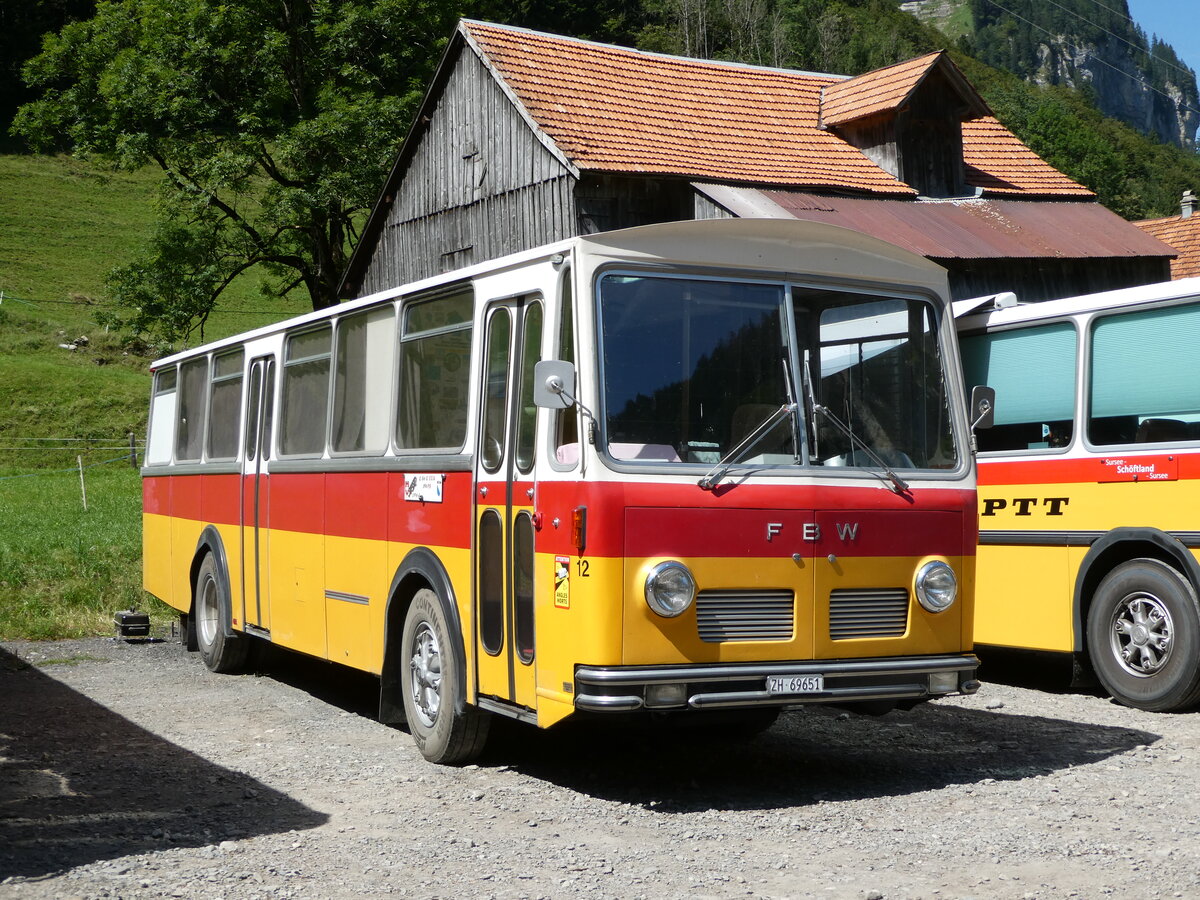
[
  {"x": 754, "y": 533},
  {"x": 680, "y": 519},
  {"x": 1098, "y": 469}
]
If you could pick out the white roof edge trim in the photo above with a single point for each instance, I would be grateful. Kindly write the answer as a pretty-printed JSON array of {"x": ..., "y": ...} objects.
[
  {"x": 1084, "y": 303},
  {"x": 433, "y": 282}
]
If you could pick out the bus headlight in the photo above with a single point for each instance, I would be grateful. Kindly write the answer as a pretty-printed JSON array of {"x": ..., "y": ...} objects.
[
  {"x": 670, "y": 589},
  {"x": 936, "y": 586}
]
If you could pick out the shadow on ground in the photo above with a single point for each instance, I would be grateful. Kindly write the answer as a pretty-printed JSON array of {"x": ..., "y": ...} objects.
[
  {"x": 817, "y": 754},
  {"x": 810, "y": 755},
  {"x": 79, "y": 783}
]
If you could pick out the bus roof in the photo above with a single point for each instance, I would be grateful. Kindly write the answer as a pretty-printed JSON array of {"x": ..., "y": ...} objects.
[
  {"x": 787, "y": 246},
  {"x": 968, "y": 319}
]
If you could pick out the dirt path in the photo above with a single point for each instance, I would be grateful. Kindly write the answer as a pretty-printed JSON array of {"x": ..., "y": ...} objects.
[{"x": 127, "y": 770}]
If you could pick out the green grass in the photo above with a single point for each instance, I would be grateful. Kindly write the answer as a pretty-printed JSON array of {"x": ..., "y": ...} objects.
[
  {"x": 64, "y": 571},
  {"x": 64, "y": 224}
]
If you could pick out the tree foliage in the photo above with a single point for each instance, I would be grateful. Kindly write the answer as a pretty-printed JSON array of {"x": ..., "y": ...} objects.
[{"x": 273, "y": 121}]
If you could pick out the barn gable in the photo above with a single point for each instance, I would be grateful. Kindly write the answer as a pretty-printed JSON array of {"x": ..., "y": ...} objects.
[{"x": 476, "y": 180}]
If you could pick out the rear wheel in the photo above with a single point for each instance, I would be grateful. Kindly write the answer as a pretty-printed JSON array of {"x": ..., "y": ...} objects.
[
  {"x": 221, "y": 652},
  {"x": 1144, "y": 636},
  {"x": 430, "y": 682}
]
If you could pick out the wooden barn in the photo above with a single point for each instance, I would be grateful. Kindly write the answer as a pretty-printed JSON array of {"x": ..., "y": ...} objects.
[{"x": 526, "y": 138}]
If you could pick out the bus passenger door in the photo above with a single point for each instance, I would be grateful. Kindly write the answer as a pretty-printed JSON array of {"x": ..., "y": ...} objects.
[
  {"x": 256, "y": 493},
  {"x": 504, "y": 551}
]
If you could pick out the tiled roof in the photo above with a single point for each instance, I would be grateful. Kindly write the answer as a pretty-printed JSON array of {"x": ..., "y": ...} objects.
[
  {"x": 622, "y": 110},
  {"x": 1182, "y": 234},
  {"x": 998, "y": 162},
  {"x": 616, "y": 109},
  {"x": 874, "y": 92}
]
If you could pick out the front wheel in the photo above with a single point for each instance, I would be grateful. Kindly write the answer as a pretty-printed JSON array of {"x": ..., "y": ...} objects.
[
  {"x": 430, "y": 683},
  {"x": 1143, "y": 633}
]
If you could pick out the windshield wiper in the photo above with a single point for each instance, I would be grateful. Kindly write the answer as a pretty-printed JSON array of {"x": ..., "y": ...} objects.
[
  {"x": 717, "y": 472},
  {"x": 897, "y": 484}
]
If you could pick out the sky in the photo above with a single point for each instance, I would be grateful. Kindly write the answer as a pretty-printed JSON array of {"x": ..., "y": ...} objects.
[{"x": 1175, "y": 21}]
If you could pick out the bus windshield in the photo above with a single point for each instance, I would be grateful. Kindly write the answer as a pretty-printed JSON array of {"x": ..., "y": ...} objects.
[{"x": 692, "y": 366}]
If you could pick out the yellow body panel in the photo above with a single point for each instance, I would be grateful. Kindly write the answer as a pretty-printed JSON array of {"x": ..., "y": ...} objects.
[
  {"x": 1026, "y": 591},
  {"x": 356, "y": 584},
  {"x": 157, "y": 563},
  {"x": 1024, "y": 597},
  {"x": 651, "y": 639}
]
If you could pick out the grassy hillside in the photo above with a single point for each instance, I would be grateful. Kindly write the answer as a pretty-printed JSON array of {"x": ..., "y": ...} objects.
[{"x": 64, "y": 223}]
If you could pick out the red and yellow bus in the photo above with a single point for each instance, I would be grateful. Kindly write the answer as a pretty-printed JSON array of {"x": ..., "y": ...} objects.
[
  {"x": 685, "y": 468},
  {"x": 1088, "y": 483}
]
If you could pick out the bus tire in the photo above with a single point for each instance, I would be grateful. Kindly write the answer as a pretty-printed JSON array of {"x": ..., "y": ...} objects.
[
  {"x": 220, "y": 651},
  {"x": 1143, "y": 631},
  {"x": 429, "y": 681}
]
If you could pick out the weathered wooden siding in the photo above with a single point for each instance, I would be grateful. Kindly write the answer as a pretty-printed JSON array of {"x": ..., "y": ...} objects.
[
  {"x": 608, "y": 202},
  {"x": 1034, "y": 280},
  {"x": 478, "y": 185}
]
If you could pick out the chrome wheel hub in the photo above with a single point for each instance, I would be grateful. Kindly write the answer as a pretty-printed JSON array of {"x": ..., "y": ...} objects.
[
  {"x": 1142, "y": 634},
  {"x": 426, "y": 681},
  {"x": 207, "y": 613}
]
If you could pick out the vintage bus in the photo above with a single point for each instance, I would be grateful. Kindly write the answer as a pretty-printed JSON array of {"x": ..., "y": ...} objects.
[
  {"x": 1089, "y": 481},
  {"x": 690, "y": 468}
]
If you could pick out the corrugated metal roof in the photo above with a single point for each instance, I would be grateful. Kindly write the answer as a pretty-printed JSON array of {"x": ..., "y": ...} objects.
[
  {"x": 959, "y": 229},
  {"x": 1181, "y": 234}
]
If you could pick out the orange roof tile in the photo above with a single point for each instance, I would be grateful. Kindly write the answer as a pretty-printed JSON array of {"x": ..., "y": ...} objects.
[
  {"x": 1001, "y": 164},
  {"x": 621, "y": 110},
  {"x": 617, "y": 109},
  {"x": 1181, "y": 234},
  {"x": 874, "y": 92}
]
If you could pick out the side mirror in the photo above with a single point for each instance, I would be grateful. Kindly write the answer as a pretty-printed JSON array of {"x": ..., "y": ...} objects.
[
  {"x": 553, "y": 384},
  {"x": 983, "y": 406}
]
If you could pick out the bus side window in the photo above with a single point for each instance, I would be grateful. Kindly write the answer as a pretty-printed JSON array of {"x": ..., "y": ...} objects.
[
  {"x": 435, "y": 363},
  {"x": 305, "y": 393},
  {"x": 1142, "y": 377},
  {"x": 162, "y": 417},
  {"x": 193, "y": 385},
  {"x": 566, "y": 421},
  {"x": 1033, "y": 372},
  {"x": 224, "y": 406},
  {"x": 361, "y": 399}
]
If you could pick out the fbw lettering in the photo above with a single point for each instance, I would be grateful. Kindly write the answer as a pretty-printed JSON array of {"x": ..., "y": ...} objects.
[{"x": 1024, "y": 506}]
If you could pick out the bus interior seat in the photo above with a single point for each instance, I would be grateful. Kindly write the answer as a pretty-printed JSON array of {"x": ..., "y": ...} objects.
[{"x": 1153, "y": 431}]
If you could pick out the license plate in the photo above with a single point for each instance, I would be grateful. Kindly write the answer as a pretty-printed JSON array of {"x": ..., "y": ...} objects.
[{"x": 795, "y": 684}]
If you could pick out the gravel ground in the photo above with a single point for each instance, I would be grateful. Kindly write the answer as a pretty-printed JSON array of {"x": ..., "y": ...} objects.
[{"x": 127, "y": 770}]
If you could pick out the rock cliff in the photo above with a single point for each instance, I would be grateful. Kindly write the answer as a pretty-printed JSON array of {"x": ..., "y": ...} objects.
[{"x": 1137, "y": 80}]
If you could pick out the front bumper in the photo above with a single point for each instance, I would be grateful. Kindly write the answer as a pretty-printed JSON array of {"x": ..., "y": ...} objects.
[{"x": 742, "y": 685}]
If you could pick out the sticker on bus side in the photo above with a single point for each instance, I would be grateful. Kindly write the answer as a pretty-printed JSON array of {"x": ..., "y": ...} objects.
[
  {"x": 1138, "y": 468},
  {"x": 562, "y": 582},
  {"x": 425, "y": 487}
]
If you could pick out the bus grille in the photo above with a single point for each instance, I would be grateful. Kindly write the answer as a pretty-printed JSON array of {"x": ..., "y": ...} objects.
[
  {"x": 867, "y": 613},
  {"x": 745, "y": 616}
]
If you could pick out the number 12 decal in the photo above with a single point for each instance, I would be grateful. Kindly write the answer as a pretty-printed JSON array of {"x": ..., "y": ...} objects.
[{"x": 581, "y": 566}]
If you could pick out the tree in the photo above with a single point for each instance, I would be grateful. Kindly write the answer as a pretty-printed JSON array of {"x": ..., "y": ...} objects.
[{"x": 273, "y": 122}]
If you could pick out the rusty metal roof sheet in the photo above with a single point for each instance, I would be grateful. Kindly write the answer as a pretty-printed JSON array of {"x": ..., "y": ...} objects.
[{"x": 959, "y": 229}]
